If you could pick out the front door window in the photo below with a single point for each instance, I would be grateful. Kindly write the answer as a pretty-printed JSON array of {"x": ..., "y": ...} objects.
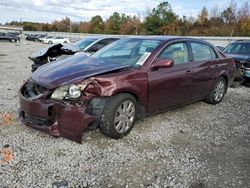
[{"x": 178, "y": 52}]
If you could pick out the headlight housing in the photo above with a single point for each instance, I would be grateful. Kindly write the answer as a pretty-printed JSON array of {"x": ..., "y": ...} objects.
[
  {"x": 68, "y": 92},
  {"x": 74, "y": 91}
]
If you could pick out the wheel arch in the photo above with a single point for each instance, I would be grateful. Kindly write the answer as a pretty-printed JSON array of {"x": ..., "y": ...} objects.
[
  {"x": 96, "y": 106},
  {"x": 140, "y": 114},
  {"x": 226, "y": 78},
  {"x": 224, "y": 74}
]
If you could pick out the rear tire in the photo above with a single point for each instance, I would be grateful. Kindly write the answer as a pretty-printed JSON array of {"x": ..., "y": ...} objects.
[
  {"x": 118, "y": 116},
  {"x": 218, "y": 91}
]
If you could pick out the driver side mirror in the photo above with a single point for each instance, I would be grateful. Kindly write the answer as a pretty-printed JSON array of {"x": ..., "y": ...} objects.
[{"x": 162, "y": 63}]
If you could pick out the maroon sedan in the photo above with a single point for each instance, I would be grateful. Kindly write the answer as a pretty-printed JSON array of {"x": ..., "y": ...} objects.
[{"x": 127, "y": 80}]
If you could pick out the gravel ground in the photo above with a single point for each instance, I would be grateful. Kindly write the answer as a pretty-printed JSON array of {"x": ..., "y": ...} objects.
[{"x": 199, "y": 145}]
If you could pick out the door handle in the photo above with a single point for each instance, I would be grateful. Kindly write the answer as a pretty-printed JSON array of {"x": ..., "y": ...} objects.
[{"x": 188, "y": 71}]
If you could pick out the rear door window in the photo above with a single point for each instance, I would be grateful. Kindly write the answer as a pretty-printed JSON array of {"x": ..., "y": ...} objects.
[{"x": 202, "y": 52}]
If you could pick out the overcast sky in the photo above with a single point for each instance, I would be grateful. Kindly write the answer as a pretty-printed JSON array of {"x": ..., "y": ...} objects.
[{"x": 83, "y": 10}]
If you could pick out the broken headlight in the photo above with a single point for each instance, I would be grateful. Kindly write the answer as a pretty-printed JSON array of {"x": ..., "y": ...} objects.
[
  {"x": 74, "y": 91},
  {"x": 68, "y": 92}
]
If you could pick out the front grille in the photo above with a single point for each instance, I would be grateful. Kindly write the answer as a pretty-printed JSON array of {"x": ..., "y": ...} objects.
[{"x": 33, "y": 90}]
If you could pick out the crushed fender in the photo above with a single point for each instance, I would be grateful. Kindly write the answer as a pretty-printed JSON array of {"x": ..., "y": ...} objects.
[{"x": 97, "y": 87}]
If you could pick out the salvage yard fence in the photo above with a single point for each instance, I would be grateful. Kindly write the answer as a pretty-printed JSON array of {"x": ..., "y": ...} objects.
[{"x": 218, "y": 41}]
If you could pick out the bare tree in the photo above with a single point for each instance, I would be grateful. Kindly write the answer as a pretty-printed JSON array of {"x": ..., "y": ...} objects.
[
  {"x": 214, "y": 13},
  {"x": 244, "y": 11}
]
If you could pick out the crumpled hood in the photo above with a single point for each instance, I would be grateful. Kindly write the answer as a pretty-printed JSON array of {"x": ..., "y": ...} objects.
[
  {"x": 71, "y": 70},
  {"x": 57, "y": 48},
  {"x": 239, "y": 57},
  {"x": 44, "y": 51}
]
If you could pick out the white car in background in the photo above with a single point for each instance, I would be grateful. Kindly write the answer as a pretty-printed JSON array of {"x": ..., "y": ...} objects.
[
  {"x": 56, "y": 40},
  {"x": 41, "y": 39}
]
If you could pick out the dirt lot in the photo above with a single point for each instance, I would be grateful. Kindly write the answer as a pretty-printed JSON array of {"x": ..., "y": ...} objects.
[{"x": 199, "y": 145}]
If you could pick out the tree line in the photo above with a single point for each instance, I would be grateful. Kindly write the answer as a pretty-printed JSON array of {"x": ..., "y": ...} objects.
[{"x": 161, "y": 20}]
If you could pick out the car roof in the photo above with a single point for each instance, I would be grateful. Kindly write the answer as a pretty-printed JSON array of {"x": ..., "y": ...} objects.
[
  {"x": 152, "y": 37},
  {"x": 101, "y": 37},
  {"x": 164, "y": 38},
  {"x": 170, "y": 38}
]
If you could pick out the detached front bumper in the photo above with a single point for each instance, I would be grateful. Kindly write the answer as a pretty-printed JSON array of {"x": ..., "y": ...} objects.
[{"x": 55, "y": 118}]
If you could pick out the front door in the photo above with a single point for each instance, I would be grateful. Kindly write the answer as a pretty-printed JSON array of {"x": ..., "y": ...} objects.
[{"x": 169, "y": 87}]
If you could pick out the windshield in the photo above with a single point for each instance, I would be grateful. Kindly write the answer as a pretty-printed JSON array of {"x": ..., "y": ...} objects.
[
  {"x": 128, "y": 51},
  {"x": 239, "y": 48},
  {"x": 84, "y": 43}
]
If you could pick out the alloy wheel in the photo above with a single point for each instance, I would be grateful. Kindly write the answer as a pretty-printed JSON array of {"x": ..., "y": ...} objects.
[
  {"x": 219, "y": 90},
  {"x": 124, "y": 116}
]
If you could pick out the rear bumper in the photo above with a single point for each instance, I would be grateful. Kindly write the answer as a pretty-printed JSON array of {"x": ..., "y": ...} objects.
[{"x": 55, "y": 118}]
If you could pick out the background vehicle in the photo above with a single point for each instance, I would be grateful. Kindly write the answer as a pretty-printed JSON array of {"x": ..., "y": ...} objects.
[
  {"x": 92, "y": 45},
  {"x": 240, "y": 52},
  {"x": 58, "y": 52},
  {"x": 29, "y": 37},
  {"x": 41, "y": 39},
  {"x": 127, "y": 80},
  {"x": 9, "y": 37},
  {"x": 56, "y": 40},
  {"x": 35, "y": 37}
]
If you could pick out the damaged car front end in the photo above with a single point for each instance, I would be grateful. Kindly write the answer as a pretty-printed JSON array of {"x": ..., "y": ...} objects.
[
  {"x": 54, "y": 100},
  {"x": 58, "y": 118}
]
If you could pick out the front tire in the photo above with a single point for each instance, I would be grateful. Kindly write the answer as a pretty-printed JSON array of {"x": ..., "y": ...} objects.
[
  {"x": 50, "y": 42},
  {"x": 218, "y": 91},
  {"x": 118, "y": 116}
]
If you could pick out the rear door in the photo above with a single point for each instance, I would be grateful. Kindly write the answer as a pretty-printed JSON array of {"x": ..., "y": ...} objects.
[
  {"x": 204, "y": 74},
  {"x": 172, "y": 86}
]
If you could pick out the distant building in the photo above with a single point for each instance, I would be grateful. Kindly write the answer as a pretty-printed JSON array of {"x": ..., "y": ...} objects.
[{"x": 11, "y": 28}]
